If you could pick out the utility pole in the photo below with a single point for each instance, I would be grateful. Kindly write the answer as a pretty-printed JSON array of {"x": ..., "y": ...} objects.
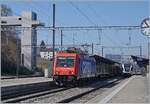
[
  {"x": 61, "y": 40},
  {"x": 149, "y": 53},
  {"x": 17, "y": 56},
  {"x": 92, "y": 48},
  {"x": 129, "y": 33},
  {"x": 102, "y": 50},
  {"x": 99, "y": 35},
  {"x": 73, "y": 39},
  {"x": 141, "y": 51},
  {"x": 53, "y": 33}
]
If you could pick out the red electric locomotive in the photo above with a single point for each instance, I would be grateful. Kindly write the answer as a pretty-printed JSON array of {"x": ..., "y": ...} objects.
[{"x": 70, "y": 67}]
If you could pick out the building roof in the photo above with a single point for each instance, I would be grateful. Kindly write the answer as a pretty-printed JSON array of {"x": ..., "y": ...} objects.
[
  {"x": 102, "y": 59},
  {"x": 140, "y": 60}
]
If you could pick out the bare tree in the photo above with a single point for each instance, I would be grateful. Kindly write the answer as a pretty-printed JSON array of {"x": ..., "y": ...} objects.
[
  {"x": 5, "y": 11},
  {"x": 8, "y": 44}
]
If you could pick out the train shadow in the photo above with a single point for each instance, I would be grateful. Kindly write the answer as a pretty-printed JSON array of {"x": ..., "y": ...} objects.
[{"x": 104, "y": 83}]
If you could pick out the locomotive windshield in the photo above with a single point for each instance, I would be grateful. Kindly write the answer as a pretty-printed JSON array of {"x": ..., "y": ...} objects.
[{"x": 63, "y": 61}]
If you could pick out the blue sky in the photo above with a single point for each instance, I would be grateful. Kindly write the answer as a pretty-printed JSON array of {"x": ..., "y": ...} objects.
[{"x": 99, "y": 13}]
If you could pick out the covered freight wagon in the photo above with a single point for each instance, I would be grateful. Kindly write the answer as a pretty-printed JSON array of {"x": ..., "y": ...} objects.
[{"x": 106, "y": 67}]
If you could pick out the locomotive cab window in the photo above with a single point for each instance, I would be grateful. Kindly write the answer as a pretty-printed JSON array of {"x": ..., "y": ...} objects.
[{"x": 63, "y": 61}]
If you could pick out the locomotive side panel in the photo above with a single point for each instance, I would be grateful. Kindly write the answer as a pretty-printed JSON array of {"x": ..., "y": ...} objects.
[{"x": 86, "y": 68}]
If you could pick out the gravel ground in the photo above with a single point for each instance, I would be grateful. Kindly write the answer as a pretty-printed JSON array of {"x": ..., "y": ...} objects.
[
  {"x": 93, "y": 94},
  {"x": 59, "y": 96}
]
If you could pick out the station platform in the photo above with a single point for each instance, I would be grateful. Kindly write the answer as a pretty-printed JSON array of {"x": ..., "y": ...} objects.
[
  {"x": 19, "y": 86},
  {"x": 23, "y": 81},
  {"x": 131, "y": 90}
]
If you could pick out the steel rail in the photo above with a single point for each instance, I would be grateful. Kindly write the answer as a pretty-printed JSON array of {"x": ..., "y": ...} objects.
[{"x": 68, "y": 100}]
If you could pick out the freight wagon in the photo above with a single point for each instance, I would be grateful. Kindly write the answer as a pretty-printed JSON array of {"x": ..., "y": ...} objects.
[{"x": 106, "y": 67}]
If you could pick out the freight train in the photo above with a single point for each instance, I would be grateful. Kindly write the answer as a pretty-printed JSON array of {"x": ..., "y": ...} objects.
[{"x": 75, "y": 67}]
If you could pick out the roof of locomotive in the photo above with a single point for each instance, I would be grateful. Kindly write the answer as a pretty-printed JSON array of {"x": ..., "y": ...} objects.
[
  {"x": 66, "y": 54},
  {"x": 70, "y": 52},
  {"x": 102, "y": 59}
]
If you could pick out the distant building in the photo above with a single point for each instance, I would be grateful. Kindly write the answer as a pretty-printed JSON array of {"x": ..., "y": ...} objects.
[
  {"x": 139, "y": 65},
  {"x": 28, "y": 36},
  {"x": 47, "y": 53}
]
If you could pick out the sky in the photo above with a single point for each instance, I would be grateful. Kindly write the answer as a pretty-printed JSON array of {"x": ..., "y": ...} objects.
[{"x": 90, "y": 13}]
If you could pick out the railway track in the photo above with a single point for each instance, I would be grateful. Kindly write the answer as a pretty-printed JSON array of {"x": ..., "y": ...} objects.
[
  {"x": 79, "y": 96},
  {"x": 34, "y": 95},
  {"x": 63, "y": 95},
  {"x": 21, "y": 90}
]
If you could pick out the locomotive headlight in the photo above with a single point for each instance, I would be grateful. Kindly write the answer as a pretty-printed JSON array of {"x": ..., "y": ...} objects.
[
  {"x": 72, "y": 72},
  {"x": 57, "y": 72}
]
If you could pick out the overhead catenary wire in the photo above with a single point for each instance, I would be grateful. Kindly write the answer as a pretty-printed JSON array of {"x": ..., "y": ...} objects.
[
  {"x": 82, "y": 13},
  {"x": 117, "y": 35},
  {"x": 75, "y": 28},
  {"x": 92, "y": 21},
  {"x": 114, "y": 42},
  {"x": 88, "y": 20},
  {"x": 98, "y": 18},
  {"x": 121, "y": 48},
  {"x": 96, "y": 14}
]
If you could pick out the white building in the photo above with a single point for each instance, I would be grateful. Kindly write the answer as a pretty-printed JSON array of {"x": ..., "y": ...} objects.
[
  {"x": 47, "y": 53},
  {"x": 28, "y": 36}
]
